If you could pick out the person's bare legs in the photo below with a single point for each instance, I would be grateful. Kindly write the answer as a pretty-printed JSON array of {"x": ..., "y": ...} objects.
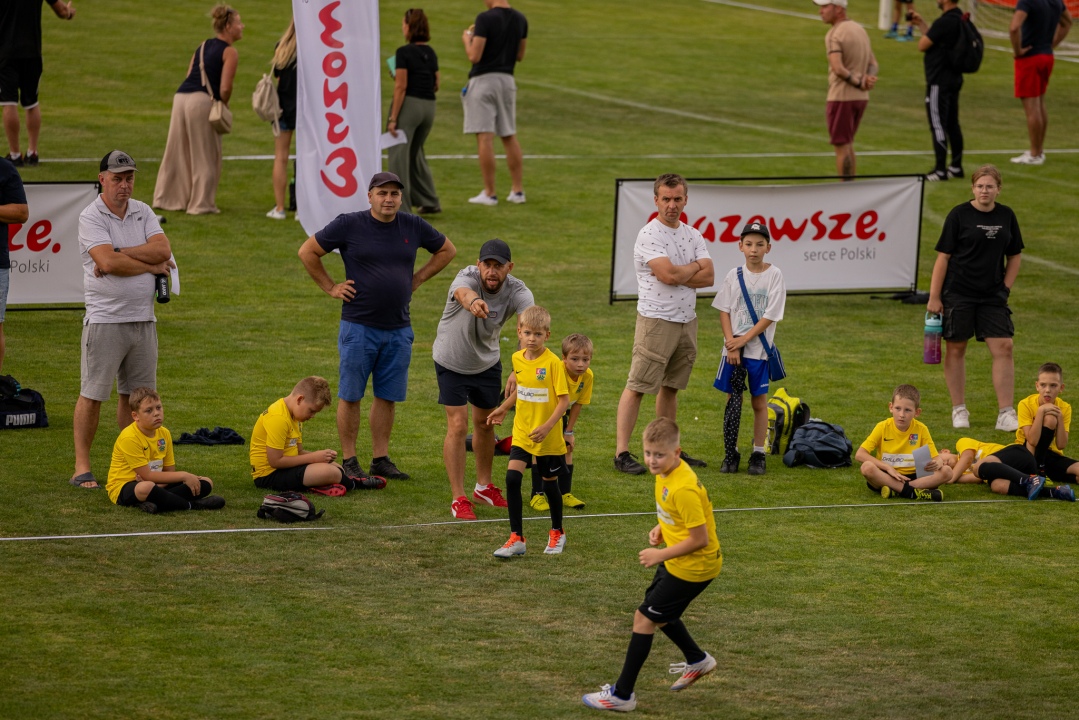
[
  {"x": 282, "y": 145},
  {"x": 844, "y": 161},
  {"x": 667, "y": 403},
  {"x": 1003, "y": 370},
  {"x": 485, "y": 148},
  {"x": 33, "y": 128},
  {"x": 87, "y": 414},
  {"x": 11, "y": 127},
  {"x": 453, "y": 448},
  {"x": 483, "y": 445},
  {"x": 3, "y": 346},
  {"x": 123, "y": 412},
  {"x": 381, "y": 421},
  {"x": 515, "y": 163},
  {"x": 1037, "y": 121},
  {"x": 760, "y": 419},
  {"x": 348, "y": 426},
  {"x": 955, "y": 370},
  {"x": 629, "y": 407}
]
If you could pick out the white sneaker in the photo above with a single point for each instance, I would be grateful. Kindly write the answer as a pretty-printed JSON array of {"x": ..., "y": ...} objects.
[
  {"x": 514, "y": 546},
  {"x": 276, "y": 214},
  {"x": 1027, "y": 159},
  {"x": 691, "y": 673},
  {"x": 517, "y": 197},
  {"x": 605, "y": 699},
  {"x": 1007, "y": 420},
  {"x": 483, "y": 199},
  {"x": 555, "y": 543},
  {"x": 960, "y": 417}
]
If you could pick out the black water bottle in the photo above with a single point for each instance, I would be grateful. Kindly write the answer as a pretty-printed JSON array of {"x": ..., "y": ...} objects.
[{"x": 161, "y": 288}]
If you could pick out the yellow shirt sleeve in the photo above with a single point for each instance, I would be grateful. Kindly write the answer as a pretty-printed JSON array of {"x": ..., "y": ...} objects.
[
  {"x": 873, "y": 442},
  {"x": 687, "y": 504}
]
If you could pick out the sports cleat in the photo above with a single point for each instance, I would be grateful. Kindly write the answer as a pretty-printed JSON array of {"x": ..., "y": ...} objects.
[
  {"x": 518, "y": 198},
  {"x": 891, "y": 35},
  {"x": 370, "y": 482},
  {"x": 605, "y": 699},
  {"x": 148, "y": 507},
  {"x": 386, "y": 468},
  {"x": 1034, "y": 486},
  {"x": 276, "y": 214},
  {"x": 539, "y": 503},
  {"x": 691, "y": 673},
  {"x": 210, "y": 502},
  {"x": 627, "y": 463},
  {"x": 490, "y": 495},
  {"x": 934, "y": 495},
  {"x": 1007, "y": 420},
  {"x": 936, "y": 176},
  {"x": 909, "y": 37},
  {"x": 461, "y": 509},
  {"x": 483, "y": 199},
  {"x": 692, "y": 462},
  {"x": 570, "y": 501},
  {"x": 17, "y": 160},
  {"x": 32, "y": 159},
  {"x": 756, "y": 464},
  {"x": 353, "y": 468},
  {"x": 1063, "y": 492},
  {"x": 514, "y": 546},
  {"x": 332, "y": 490},
  {"x": 954, "y": 172},
  {"x": 731, "y": 462},
  {"x": 1027, "y": 159},
  {"x": 886, "y": 492},
  {"x": 555, "y": 542},
  {"x": 960, "y": 417}
]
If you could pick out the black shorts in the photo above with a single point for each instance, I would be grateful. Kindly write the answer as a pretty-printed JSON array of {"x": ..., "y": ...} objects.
[
  {"x": 1055, "y": 467},
  {"x": 483, "y": 390},
  {"x": 1017, "y": 456},
  {"x": 127, "y": 496},
  {"x": 283, "y": 479},
  {"x": 549, "y": 466},
  {"x": 19, "y": 80},
  {"x": 668, "y": 597},
  {"x": 966, "y": 317}
]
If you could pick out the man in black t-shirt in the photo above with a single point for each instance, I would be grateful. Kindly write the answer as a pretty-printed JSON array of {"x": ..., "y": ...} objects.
[
  {"x": 378, "y": 247},
  {"x": 13, "y": 209},
  {"x": 20, "y": 69},
  {"x": 494, "y": 45},
  {"x": 942, "y": 85}
]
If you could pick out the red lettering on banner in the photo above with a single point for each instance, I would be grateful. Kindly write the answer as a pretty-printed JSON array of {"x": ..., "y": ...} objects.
[
  {"x": 866, "y": 225},
  {"x": 333, "y": 134},
  {"x": 38, "y": 231},
  {"x": 730, "y": 226},
  {"x": 818, "y": 226},
  {"x": 13, "y": 230},
  {"x": 655, "y": 215},
  {"x": 730, "y": 223},
  {"x": 786, "y": 229},
  {"x": 329, "y": 97},
  {"x": 346, "y": 171},
  {"x": 709, "y": 232},
  {"x": 334, "y": 65},
  {"x": 330, "y": 25},
  {"x": 837, "y": 230}
]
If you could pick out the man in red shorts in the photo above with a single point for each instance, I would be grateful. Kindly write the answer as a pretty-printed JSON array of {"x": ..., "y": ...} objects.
[{"x": 1037, "y": 27}]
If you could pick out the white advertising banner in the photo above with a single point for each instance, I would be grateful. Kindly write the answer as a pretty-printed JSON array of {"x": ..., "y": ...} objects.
[
  {"x": 338, "y": 107},
  {"x": 860, "y": 235},
  {"x": 46, "y": 265}
]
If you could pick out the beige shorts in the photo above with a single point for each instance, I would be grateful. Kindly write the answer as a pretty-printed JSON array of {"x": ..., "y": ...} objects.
[
  {"x": 663, "y": 355},
  {"x": 124, "y": 353},
  {"x": 490, "y": 103}
]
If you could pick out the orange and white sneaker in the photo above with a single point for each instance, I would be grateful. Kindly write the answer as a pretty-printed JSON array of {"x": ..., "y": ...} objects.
[
  {"x": 555, "y": 542},
  {"x": 691, "y": 673},
  {"x": 514, "y": 546}
]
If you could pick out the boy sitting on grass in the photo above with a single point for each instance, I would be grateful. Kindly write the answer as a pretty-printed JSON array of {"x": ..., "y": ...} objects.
[
  {"x": 690, "y": 561},
  {"x": 278, "y": 460},
  {"x": 887, "y": 455},
  {"x": 576, "y": 357},
  {"x": 143, "y": 470},
  {"x": 1003, "y": 468},
  {"x": 1045, "y": 423}
]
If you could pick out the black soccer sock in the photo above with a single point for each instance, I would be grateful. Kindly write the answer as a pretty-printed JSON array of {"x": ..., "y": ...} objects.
[
  {"x": 565, "y": 480},
  {"x": 168, "y": 501},
  {"x": 514, "y": 479},
  {"x": 999, "y": 471},
  {"x": 732, "y": 414},
  {"x": 639, "y": 647},
  {"x": 1019, "y": 489},
  {"x": 348, "y": 482},
  {"x": 680, "y": 636},
  {"x": 537, "y": 480},
  {"x": 907, "y": 492},
  {"x": 554, "y": 499}
]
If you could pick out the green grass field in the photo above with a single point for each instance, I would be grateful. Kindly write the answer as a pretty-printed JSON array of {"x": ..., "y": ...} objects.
[{"x": 832, "y": 602}]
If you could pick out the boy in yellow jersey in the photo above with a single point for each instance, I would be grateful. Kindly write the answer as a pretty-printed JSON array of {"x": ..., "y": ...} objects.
[
  {"x": 1009, "y": 470},
  {"x": 887, "y": 455},
  {"x": 690, "y": 561},
  {"x": 1045, "y": 424},
  {"x": 143, "y": 470},
  {"x": 278, "y": 460},
  {"x": 542, "y": 399},
  {"x": 576, "y": 357}
]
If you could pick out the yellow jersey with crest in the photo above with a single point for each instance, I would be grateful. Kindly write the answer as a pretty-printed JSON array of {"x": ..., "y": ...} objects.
[
  {"x": 132, "y": 450},
  {"x": 277, "y": 429},
  {"x": 896, "y": 447},
  {"x": 540, "y": 383},
  {"x": 682, "y": 504},
  {"x": 981, "y": 450},
  {"x": 1028, "y": 407},
  {"x": 580, "y": 390}
]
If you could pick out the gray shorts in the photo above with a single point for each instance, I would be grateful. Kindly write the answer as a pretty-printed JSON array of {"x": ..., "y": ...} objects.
[
  {"x": 122, "y": 352},
  {"x": 490, "y": 103},
  {"x": 5, "y": 279},
  {"x": 663, "y": 355}
]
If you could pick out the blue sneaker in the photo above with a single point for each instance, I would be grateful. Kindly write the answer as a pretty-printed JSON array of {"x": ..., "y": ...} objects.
[
  {"x": 891, "y": 35},
  {"x": 1034, "y": 486},
  {"x": 1064, "y": 492}
]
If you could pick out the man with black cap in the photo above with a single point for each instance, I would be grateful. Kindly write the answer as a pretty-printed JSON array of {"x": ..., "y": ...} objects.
[
  {"x": 378, "y": 247},
  {"x": 467, "y": 362},
  {"x": 123, "y": 248}
]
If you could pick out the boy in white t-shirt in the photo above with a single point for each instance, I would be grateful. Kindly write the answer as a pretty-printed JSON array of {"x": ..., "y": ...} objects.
[{"x": 743, "y": 353}]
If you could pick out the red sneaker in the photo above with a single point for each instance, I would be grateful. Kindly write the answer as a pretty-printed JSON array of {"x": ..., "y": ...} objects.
[
  {"x": 461, "y": 509},
  {"x": 490, "y": 495},
  {"x": 335, "y": 490}
]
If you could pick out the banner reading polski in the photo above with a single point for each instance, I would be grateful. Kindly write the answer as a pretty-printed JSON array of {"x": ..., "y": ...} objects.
[
  {"x": 859, "y": 235},
  {"x": 338, "y": 107},
  {"x": 46, "y": 265}
]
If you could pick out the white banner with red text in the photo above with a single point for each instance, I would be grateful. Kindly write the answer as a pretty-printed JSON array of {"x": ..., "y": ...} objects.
[
  {"x": 826, "y": 237},
  {"x": 338, "y": 107},
  {"x": 46, "y": 265}
]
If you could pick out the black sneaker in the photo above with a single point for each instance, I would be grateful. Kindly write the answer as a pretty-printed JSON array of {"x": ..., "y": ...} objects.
[
  {"x": 17, "y": 161},
  {"x": 369, "y": 482},
  {"x": 31, "y": 159},
  {"x": 148, "y": 507},
  {"x": 384, "y": 467},
  {"x": 756, "y": 464},
  {"x": 693, "y": 462},
  {"x": 353, "y": 468},
  {"x": 627, "y": 463},
  {"x": 937, "y": 176},
  {"x": 954, "y": 172},
  {"x": 731, "y": 462},
  {"x": 210, "y": 502}
]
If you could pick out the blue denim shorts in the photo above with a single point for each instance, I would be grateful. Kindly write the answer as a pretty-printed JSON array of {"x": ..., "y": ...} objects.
[{"x": 367, "y": 352}]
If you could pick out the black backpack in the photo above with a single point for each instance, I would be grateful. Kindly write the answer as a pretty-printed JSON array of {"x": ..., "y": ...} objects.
[
  {"x": 818, "y": 444},
  {"x": 288, "y": 507},
  {"x": 20, "y": 407},
  {"x": 967, "y": 54}
]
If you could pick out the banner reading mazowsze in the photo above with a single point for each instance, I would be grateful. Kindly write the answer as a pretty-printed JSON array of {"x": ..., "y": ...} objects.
[
  {"x": 338, "y": 107},
  {"x": 46, "y": 265},
  {"x": 835, "y": 236}
]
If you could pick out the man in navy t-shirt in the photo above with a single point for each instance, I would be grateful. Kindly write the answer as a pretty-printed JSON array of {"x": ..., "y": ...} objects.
[
  {"x": 13, "y": 209},
  {"x": 379, "y": 249},
  {"x": 1037, "y": 27}
]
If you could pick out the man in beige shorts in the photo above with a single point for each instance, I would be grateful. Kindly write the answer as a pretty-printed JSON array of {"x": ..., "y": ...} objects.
[{"x": 671, "y": 261}]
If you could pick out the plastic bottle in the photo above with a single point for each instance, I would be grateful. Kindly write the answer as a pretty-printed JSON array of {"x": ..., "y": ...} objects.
[{"x": 934, "y": 328}]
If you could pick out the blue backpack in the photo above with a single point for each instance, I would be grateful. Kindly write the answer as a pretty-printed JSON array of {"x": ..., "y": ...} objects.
[{"x": 818, "y": 444}]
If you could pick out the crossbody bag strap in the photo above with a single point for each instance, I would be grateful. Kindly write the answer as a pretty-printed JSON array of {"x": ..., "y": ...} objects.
[
  {"x": 202, "y": 69},
  {"x": 752, "y": 312}
]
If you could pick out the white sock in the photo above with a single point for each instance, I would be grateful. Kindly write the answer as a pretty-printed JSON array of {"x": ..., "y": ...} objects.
[
  {"x": 481, "y": 487},
  {"x": 758, "y": 448},
  {"x": 959, "y": 407}
]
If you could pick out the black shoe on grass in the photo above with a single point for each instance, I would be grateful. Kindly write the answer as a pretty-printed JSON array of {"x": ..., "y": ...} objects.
[
  {"x": 756, "y": 464},
  {"x": 384, "y": 467},
  {"x": 626, "y": 463},
  {"x": 731, "y": 462},
  {"x": 693, "y": 462},
  {"x": 210, "y": 502}
]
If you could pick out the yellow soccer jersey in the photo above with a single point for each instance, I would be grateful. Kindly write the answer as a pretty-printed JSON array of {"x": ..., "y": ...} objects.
[
  {"x": 539, "y": 384},
  {"x": 981, "y": 449},
  {"x": 276, "y": 429},
  {"x": 1029, "y": 407},
  {"x": 896, "y": 448},
  {"x": 133, "y": 450},
  {"x": 682, "y": 504},
  {"x": 580, "y": 391}
]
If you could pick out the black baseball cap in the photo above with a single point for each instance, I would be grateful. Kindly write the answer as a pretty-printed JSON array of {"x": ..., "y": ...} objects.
[
  {"x": 756, "y": 228},
  {"x": 117, "y": 161},
  {"x": 385, "y": 178},
  {"x": 495, "y": 250}
]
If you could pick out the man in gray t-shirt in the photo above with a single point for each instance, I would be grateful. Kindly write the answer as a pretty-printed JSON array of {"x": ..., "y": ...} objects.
[{"x": 467, "y": 361}]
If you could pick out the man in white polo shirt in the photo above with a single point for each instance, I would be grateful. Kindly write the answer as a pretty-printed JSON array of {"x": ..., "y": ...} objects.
[
  {"x": 122, "y": 247},
  {"x": 671, "y": 261}
]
